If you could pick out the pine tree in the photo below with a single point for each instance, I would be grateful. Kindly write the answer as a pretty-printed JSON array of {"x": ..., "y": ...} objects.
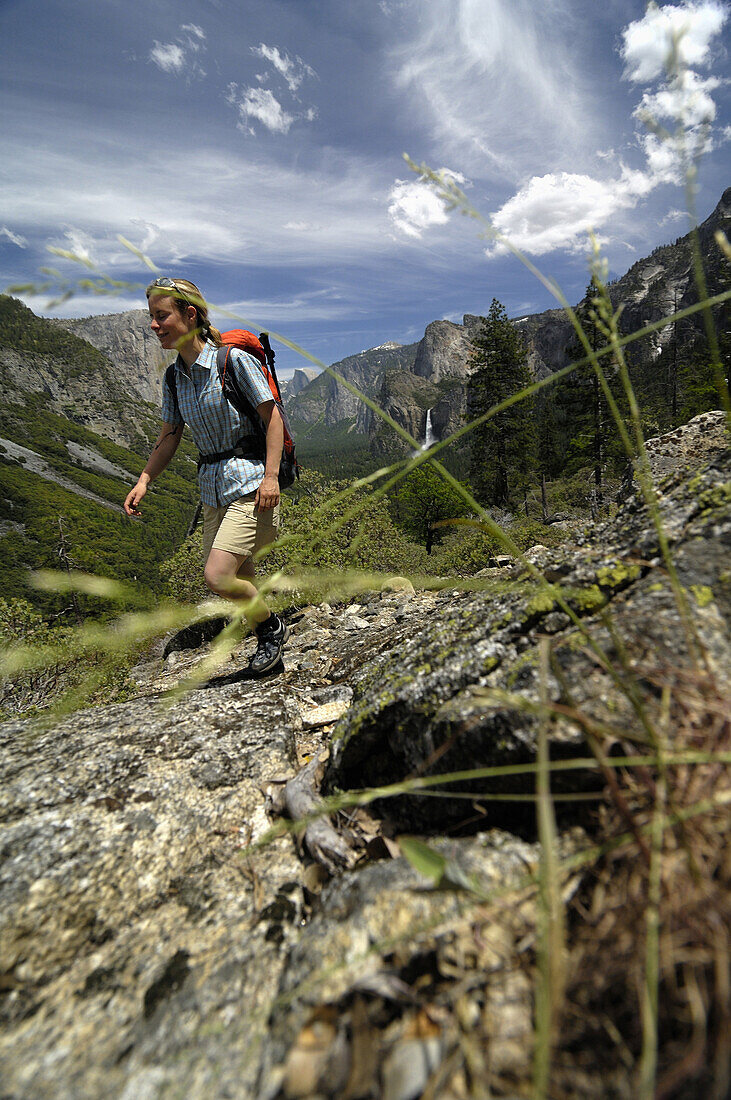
[
  {"x": 591, "y": 438},
  {"x": 503, "y": 448}
]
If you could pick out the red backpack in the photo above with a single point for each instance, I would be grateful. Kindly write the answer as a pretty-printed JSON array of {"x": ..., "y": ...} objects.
[{"x": 250, "y": 446}]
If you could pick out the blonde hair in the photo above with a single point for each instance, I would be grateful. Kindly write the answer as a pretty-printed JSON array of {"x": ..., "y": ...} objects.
[{"x": 187, "y": 294}]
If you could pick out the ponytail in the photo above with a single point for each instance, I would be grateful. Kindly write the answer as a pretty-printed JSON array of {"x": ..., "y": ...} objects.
[{"x": 212, "y": 334}]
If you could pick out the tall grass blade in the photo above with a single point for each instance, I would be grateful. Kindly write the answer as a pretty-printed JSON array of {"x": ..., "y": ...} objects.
[{"x": 550, "y": 919}]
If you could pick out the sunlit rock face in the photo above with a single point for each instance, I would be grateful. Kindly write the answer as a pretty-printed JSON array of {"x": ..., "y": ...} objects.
[
  {"x": 443, "y": 352},
  {"x": 326, "y": 400},
  {"x": 302, "y": 377}
]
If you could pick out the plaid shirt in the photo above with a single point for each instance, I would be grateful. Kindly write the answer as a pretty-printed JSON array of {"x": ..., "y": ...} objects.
[{"x": 215, "y": 424}]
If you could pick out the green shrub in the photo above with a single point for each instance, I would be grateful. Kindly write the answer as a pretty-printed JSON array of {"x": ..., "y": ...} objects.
[
  {"x": 530, "y": 532},
  {"x": 183, "y": 572},
  {"x": 463, "y": 552},
  {"x": 20, "y": 622}
]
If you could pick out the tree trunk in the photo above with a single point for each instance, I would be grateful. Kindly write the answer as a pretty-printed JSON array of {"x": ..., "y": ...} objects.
[{"x": 544, "y": 499}]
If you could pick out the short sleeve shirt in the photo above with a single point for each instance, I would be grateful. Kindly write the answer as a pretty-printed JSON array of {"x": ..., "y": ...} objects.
[{"x": 214, "y": 423}]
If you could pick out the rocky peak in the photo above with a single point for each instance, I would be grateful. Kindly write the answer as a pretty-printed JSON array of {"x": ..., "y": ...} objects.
[
  {"x": 327, "y": 400},
  {"x": 443, "y": 352},
  {"x": 302, "y": 377}
]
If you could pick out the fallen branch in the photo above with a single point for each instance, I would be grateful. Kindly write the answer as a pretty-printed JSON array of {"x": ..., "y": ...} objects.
[{"x": 299, "y": 798}]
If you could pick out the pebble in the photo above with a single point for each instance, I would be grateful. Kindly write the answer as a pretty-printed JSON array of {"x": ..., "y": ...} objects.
[
  {"x": 409, "y": 1066},
  {"x": 325, "y": 714}
]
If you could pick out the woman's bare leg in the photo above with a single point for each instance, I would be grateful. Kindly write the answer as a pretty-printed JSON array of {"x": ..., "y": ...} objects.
[{"x": 226, "y": 574}]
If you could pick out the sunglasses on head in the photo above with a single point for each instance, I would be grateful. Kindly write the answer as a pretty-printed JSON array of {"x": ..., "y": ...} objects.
[{"x": 163, "y": 283}]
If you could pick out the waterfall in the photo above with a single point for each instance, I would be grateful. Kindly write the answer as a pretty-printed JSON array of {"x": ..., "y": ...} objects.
[{"x": 428, "y": 432}]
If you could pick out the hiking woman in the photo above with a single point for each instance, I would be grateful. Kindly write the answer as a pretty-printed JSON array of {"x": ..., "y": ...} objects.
[{"x": 240, "y": 494}]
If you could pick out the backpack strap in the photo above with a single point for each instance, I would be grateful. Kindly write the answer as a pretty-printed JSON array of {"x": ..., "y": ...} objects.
[
  {"x": 234, "y": 394},
  {"x": 172, "y": 384},
  {"x": 269, "y": 356}
]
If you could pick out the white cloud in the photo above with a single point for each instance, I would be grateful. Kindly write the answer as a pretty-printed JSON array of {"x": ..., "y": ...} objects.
[
  {"x": 179, "y": 57},
  {"x": 557, "y": 210},
  {"x": 262, "y": 106},
  {"x": 690, "y": 28},
  {"x": 170, "y": 58},
  {"x": 664, "y": 46},
  {"x": 663, "y": 165},
  {"x": 414, "y": 206},
  {"x": 15, "y": 238},
  {"x": 686, "y": 101},
  {"x": 293, "y": 69}
]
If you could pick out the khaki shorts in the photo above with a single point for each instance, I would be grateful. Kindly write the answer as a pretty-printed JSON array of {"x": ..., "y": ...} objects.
[{"x": 239, "y": 527}]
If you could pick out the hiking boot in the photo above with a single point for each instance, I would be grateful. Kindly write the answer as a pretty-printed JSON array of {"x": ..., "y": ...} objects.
[{"x": 271, "y": 642}]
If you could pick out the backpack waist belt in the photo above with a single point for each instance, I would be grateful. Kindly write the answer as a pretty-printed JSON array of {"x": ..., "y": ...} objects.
[{"x": 249, "y": 446}]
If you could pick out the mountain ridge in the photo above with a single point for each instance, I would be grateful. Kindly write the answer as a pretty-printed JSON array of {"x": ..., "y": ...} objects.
[{"x": 652, "y": 288}]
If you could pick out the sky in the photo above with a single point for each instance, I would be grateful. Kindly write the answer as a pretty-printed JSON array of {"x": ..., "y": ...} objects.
[{"x": 257, "y": 148}]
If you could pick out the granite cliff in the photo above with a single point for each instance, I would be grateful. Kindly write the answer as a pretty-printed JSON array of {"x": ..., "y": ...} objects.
[
  {"x": 149, "y": 947},
  {"x": 131, "y": 347},
  {"x": 328, "y": 402},
  {"x": 78, "y": 377}
]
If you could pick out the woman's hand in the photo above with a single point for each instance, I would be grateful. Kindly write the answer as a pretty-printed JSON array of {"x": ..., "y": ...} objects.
[
  {"x": 134, "y": 497},
  {"x": 267, "y": 495}
]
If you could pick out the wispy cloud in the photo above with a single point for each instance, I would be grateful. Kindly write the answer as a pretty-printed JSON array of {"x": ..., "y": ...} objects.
[
  {"x": 181, "y": 56},
  {"x": 324, "y": 213},
  {"x": 673, "y": 216},
  {"x": 690, "y": 28},
  {"x": 489, "y": 79},
  {"x": 261, "y": 106},
  {"x": 79, "y": 242},
  {"x": 293, "y": 69},
  {"x": 301, "y": 227}
]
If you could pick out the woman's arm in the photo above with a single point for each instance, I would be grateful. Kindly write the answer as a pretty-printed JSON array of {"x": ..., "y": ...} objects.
[
  {"x": 267, "y": 495},
  {"x": 162, "y": 452}
]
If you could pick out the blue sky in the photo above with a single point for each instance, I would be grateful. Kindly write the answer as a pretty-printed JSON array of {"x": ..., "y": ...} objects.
[{"x": 256, "y": 147}]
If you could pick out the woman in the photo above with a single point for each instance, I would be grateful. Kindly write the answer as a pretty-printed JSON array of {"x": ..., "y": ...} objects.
[{"x": 240, "y": 495}]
